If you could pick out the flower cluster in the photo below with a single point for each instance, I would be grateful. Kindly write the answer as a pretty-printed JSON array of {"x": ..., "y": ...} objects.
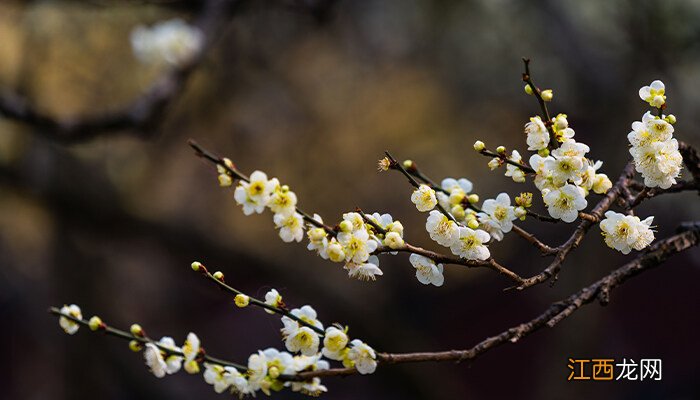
[
  {"x": 626, "y": 232},
  {"x": 267, "y": 370},
  {"x": 654, "y": 149},
  {"x": 172, "y": 42}
]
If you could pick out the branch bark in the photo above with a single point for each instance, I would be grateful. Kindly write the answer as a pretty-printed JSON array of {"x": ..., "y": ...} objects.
[{"x": 555, "y": 313}]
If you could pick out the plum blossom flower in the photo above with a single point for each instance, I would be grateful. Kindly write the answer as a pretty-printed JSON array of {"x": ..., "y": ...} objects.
[
  {"x": 291, "y": 226},
  {"x": 191, "y": 350},
  {"x": 357, "y": 245},
  {"x": 154, "y": 360},
  {"x": 565, "y": 202},
  {"x": 66, "y": 324},
  {"x": 424, "y": 198},
  {"x": 334, "y": 342},
  {"x": 366, "y": 271},
  {"x": 426, "y": 270},
  {"x": 654, "y": 94},
  {"x": 537, "y": 134},
  {"x": 514, "y": 172},
  {"x": 363, "y": 357},
  {"x": 500, "y": 211},
  {"x": 470, "y": 244},
  {"x": 626, "y": 232},
  {"x": 441, "y": 229},
  {"x": 254, "y": 195}
]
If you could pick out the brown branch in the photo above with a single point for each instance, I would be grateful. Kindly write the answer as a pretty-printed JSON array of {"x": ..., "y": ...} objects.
[
  {"x": 143, "y": 114},
  {"x": 450, "y": 259},
  {"x": 544, "y": 249},
  {"x": 596, "y": 214},
  {"x": 556, "y": 312},
  {"x": 547, "y": 119}
]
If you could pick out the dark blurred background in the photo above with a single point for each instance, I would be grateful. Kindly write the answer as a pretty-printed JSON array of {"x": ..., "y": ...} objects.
[{"x": 313, "y": 92}]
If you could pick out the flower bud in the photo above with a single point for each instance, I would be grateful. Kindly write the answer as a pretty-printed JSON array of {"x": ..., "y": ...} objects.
[
  {"x": 520, "y": 212},
  {"x": 458, "y": 212},
  {"x": 479, "y": 145},
  {"x": 335, "y": 252},
  {"x": 273, "y": 372},
  {"x": 196, "y": 266},
  {"x": 228, "y": 163},
  {"x": 393, "y": 240},
  {"x": 494, "y": 163},
  {"x": 528, "y": 89},
  {"x": 543, "y": 152},
  {"x": 671, "y": 119},
  {"x": 408, "y": 164},
  {"x": 225, "y": 180},
  {"x": 473, "y": 223},
  {"x": 219, "y": 276},
  {"x": 473, "y": 198},
  {"x": 241, "y": 300},
  {"x": 501, "y": 149},
  {"x": 95, "y": 323},
  {"x": 136, "y": 330},
  {"x": 135, "y": 345},
  {"x": 547, "y": 95},
  {"x": 346, "y": 226}
]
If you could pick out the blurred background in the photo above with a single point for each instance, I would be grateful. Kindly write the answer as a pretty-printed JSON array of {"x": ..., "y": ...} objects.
[{"x": 314, "y": 92}]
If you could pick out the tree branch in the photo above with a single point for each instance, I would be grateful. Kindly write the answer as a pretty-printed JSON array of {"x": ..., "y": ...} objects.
[{"x": 657, "y": 254}]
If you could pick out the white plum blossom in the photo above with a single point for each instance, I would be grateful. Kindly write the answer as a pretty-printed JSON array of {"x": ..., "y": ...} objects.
[
  {"x": 649, "y": 130},
  {"x": 357, "y": 245},
  {"x": 257, "y": 370},
  {"x": 441, "y": 229},
  {"x": 451, "y": 184},
  {"x": 282, "y": 201},
  {"x": 173, "y": 361},
  {"x": 654, "y": 94},
  {"x": 543, "y": 175},
  {"x": 565, "y": 202},
  {"x": 424, "y": 198},
  {"x": 500, "y": 211},
  {"x": 366, "y": 271},
  {"x": 274, "y": 299},
  {"x": 173, "y": 42},
  {"x": 491, "y": 226},
  {"x": 255, "y": 194},
  {"x": 66, "y": 324},
  {"x": 191, "y": 350},
  {"x": 426, "y": 270},
  {"x": 568, "y": 163},
  {"x": 224, "y": 377},
  {"x": 537, "y": 134},
  {"x": 560, "y": 125},
  {"x": 393, "y": 240},
  {"x": 318, "y": 238},
  {"x": 154, "y": 360},
  {"x": 659, "y": 163},
  {"x": 304, "y": 340},
  {"x": 278, "y": 362},
  {"x": 655, "y": 151},
  {"x": 363, "y": 357},
  {"x": 470, "y": 244},
  {"x": 514, "y": 172},
  {"x": 334, "y": 343},
  {"x": 313, "y": 388},
  {"x": 626, "y": 232},
  {"x": 291, "y": 226},
  {"x": 386, "y": 222}
]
